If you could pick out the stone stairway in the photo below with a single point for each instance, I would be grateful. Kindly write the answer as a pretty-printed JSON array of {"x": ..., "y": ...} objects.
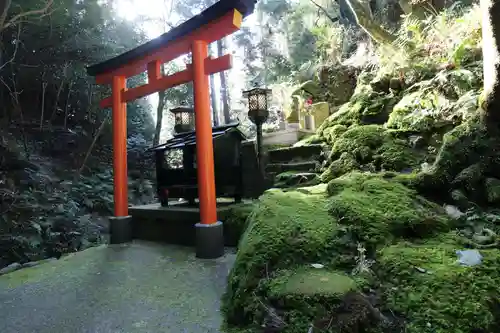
[{"x": 295, "y": 166}]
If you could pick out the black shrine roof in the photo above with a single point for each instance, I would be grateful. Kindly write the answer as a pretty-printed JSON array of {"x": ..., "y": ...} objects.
[
  {"x": 219, "y": 9},
  {"x": 181, "y": 140}
]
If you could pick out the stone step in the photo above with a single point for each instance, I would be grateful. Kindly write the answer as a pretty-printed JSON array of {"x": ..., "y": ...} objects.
[
  {"x": 311, "y": 152},
  {"x": 306, "y": 166},
  {"x": 292, "y": 179}
]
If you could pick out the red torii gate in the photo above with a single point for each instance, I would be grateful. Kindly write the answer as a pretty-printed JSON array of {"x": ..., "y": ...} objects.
[{"x": 194, "y": 35}]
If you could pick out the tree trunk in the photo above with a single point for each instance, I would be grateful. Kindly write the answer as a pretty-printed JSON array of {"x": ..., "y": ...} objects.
[
  {"x": 2, "y": 88},
  {"x": 44, "y": 87},
  {"x": 365, "y": 20},
  {"x": 66, "y": 106},
  {"x": 223, "y": 84},
  {"x": 56, "y": 104},
  {"x": 89, "y": 151},
  {"x": 159, "y": 116},
  {"x": 213, "y": 97},
  {"x": 490, "y": 100}
]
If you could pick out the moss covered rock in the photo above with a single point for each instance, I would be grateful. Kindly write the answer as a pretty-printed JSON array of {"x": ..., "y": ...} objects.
[
  {"x": 286, "y": 230},
  {"x": 468, "y": 155},
  {"x": 310, "y": 295},
  {"x": 420, "y": 111},
  {"x": 371, "y": 148},
  {"x": 296, "y": 178},
  {"x": 330, "y": 134},
  {"x": 436, "y": 294},
  {"x": 379, "y": 210},
  {"x": 365, "y": 107},
  {"x": 342, "y": 165}
]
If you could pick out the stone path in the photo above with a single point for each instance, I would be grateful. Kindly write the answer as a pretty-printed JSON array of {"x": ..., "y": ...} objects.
[{"x": 140, "y": 287}]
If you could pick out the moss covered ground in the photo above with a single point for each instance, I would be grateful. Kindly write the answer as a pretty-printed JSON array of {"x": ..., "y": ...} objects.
[{"x": 412, "y": 177}]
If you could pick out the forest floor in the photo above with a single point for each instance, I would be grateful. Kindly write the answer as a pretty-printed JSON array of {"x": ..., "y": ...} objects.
[{"x": 139, "y": 287}]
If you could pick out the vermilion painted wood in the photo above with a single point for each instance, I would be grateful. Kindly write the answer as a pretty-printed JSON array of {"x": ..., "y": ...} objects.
[
  {"x": 204, "y": 142},
  {"x": 157, "y": 83},
  {"x": 197, "y": 43},
  {"x": 119, "y": 116},
  {"x": 212, "y": 32}
]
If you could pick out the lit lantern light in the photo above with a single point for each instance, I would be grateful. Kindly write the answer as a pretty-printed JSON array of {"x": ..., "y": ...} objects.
[{"x": 184, "y": 119}]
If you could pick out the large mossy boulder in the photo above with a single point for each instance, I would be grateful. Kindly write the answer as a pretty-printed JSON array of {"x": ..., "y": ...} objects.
[
  {"x": 287, "y": 229},
  {"x": 290, "y": 230}
]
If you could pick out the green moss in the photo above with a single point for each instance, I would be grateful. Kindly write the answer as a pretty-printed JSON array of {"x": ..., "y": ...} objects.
[
  {"x": 396, "y": 154},
  {"x": 310, "y": 87},
  {"x": 420, "y": 111},
  {"x": 310, "y": 140},
  {"x": 356, "y": 138},
  {"x": 470, "y": 178},
  {"x": 294, "y": 178},
  {"x": 364, "y": 107},
  {"x": 235, "y": 220},
  {"x": 311, "y": 282},
  {"x": 286, "y": 229},
  {"x": 463, "y": 147},
  {"x": 344, "y": 164},
  {"x": 371, "y": 147},
  {"x": 330, "y": 134},
  {"x": 74, "y": 261},
  {"x": 308, "y": 295},
  {"x": 446, "y": 297},
  {"x": 378, "y": 210}
]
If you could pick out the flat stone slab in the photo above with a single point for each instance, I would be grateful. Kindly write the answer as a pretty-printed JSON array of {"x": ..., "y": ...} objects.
[{"x": 138, "y": 287}]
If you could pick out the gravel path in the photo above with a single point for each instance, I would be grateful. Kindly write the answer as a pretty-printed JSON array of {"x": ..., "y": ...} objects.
[{"x": 140, "y": 287}]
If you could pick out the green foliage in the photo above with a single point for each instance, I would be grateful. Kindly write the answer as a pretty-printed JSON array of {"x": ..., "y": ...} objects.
[{"x": 46, "y": 209}]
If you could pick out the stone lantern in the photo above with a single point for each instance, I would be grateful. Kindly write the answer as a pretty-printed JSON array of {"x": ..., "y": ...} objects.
[{"x": 258, "y": 112}]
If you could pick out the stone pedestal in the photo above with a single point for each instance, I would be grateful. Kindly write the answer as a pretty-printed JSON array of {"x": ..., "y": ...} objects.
[
  {"x": 209, "y": 240},
  {"x": 120, "y": 229}
]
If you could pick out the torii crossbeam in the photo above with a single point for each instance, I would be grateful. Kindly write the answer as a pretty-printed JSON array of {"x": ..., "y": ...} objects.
[{"x": 194, "y": 35}]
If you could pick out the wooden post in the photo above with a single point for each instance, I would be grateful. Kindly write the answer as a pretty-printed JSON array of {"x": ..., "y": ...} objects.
[
  {"x": 120, "y": 176},
  {"x": 204, "y": 144}
]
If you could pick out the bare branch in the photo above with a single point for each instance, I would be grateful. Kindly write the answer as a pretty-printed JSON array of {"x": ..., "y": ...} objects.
[
  {"x": 15, "y": 49},
  {"x": 89, "y": 151},
  {"x": 3, "y": 12},
  {"x": 41, "y": 12},
  {"x": 331, "y": 18}
]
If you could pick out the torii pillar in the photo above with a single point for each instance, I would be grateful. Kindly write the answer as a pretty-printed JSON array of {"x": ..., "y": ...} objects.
[{"x": 218, "y": 21}]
